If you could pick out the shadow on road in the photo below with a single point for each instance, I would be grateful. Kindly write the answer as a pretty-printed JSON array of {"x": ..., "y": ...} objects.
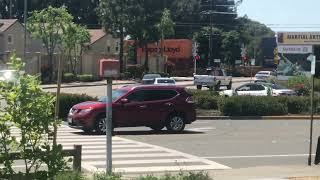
[{"x": 142, "y": 132}]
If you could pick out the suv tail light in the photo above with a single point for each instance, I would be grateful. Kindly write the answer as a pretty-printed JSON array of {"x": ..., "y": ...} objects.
[{"x": 190, "y": 100}]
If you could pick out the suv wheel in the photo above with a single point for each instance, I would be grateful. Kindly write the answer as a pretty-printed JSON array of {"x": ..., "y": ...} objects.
[
  {"x": 175, "y": 123},
  {"x": 199, "y": 87},
  {"x": 229, "y": 86},
  {"x": 101, "y": 125}
]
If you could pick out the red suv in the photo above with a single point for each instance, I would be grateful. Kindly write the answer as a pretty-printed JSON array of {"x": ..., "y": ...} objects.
[{"x": 153, "y": 106}]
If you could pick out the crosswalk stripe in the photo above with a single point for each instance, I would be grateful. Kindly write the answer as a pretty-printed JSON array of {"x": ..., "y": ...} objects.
[
  {"x": 84, "y": 140},
  {"x": 100, "y": 143},
  {"x": 130, "y": 155},
  {"x": 119, "y": 151},
  {"x": 153, "y": 161}
]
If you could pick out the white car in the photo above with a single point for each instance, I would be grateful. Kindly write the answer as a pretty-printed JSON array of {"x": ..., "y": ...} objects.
[
  {"x": 164, "y": 81},
  {"x": 259, "y": 89},
  {"x": 264, "y": 76}
]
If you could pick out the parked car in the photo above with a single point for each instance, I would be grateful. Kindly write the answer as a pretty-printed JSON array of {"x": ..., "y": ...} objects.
[
  {"x": 259, "y": 89},
  {"x": 8, "y": 75},
  {"x": 149, "y": 78},
  {"x": 264, "y": 76},
  {"x": 215, "y": 78},
  {"x": 165, "y": 81},
  {"x": 154, "y": 106},
  {"x": 278, "y": 90}
]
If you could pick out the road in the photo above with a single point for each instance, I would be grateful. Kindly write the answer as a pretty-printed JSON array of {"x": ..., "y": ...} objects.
[
  {"x": 204, "y": 145},
  {"x": 235, "y": 143}
]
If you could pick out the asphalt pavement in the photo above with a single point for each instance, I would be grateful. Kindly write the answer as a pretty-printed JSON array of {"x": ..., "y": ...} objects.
[{"x": 237, "y": 143}]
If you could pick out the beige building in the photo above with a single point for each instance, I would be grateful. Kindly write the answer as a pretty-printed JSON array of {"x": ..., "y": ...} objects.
[{"x": 102, "y": 45}]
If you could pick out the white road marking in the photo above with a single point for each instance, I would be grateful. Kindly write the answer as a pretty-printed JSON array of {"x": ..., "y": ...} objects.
[
  {"x": 117, "y": 162},
  {"x": 257, "y": 156},
  {"x": 129, "y": 155},
  {"x": 119, "y": 151}
]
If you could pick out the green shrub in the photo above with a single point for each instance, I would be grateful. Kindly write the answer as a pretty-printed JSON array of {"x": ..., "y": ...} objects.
[
  {"x": 180, "y": 176},
  {"x": 127, "y": 75},
  {"x": 68, "y": 77},
  {"x": 85, "y": 78},
  {"x": 136, "y": 70},
  {"x": 106, "y": 176},
  {"x": 69, "y": 100},
  {"x": 252, "y": 106},
  {"x": 301, "y": 84},
  {"x": 298, "y": 105},
  {"x": 71, "y": 175}
]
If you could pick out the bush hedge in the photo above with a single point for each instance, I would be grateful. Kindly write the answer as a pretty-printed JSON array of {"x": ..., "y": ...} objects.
[
  {"x": 85, "y": 78},
  {"x": 69, "y": 100},
  {"x": 252, "y": 105},
  {"x": 68, "y": 77}
]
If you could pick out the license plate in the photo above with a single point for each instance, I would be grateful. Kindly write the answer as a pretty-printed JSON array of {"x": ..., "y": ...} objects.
[{"x": 70, "y": 120}]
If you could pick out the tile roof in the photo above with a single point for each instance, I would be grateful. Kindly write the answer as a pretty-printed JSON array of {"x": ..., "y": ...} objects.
[
  {"x": 6, "y": 23},
  {"x": 96, "y": 34}
]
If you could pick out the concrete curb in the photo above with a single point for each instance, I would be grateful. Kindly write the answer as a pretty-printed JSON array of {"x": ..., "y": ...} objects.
[
  {"x": 84, "y": 85},
  {"x": 298, "y": 117}
]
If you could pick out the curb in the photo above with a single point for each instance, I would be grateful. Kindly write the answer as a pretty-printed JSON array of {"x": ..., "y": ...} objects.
[
  {"x": 257, "y": 117},
  {"x": 83, "y": 85}
]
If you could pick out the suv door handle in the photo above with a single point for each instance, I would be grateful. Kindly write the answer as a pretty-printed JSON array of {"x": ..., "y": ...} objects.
[
  {"x": 168, "y": 104},
  {"x": 143, "y": 106}
]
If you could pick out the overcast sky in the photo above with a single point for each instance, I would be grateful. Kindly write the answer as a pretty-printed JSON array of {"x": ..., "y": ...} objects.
[{"x": 284, "y": 15}]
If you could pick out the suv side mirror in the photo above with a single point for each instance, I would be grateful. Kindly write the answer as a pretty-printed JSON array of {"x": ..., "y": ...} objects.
[{"x": 124, "y": 101}]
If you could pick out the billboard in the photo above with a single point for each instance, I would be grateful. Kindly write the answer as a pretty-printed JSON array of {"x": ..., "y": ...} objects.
[
  {"x": 299, "y": 38},
  {"x": 295, "y": 49}
]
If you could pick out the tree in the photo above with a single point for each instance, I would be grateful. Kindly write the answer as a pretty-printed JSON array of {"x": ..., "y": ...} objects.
[
  {"x": 231, "y": 47},
  {"x": 165, "y": 28},
  {"x": 49, "y": 25},
  {"x": 251, "y": 34},
  {"x": 75, "y": 39},
  {"x": 29, "y": 110},
  {"x": 114, "y": 17}
]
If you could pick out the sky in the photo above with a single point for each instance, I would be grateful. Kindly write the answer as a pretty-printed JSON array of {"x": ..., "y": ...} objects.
[{"x": 284, "y": 15}]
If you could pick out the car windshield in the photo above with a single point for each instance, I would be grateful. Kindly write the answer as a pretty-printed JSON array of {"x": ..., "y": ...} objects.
[
  {"x": 115, "y": 95},
  {"x": 166, "y": 81},
  {"x": 151, "y": 76}
]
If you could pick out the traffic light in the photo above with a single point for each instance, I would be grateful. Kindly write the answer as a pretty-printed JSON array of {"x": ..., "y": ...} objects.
[{"x": 276, "y": 56}]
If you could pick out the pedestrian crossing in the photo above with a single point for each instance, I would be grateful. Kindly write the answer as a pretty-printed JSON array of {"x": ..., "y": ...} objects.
[{"x": 129, "y": 156}]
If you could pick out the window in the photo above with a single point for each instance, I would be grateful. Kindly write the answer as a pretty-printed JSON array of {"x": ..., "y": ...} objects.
[
  {"x": 10, "y": 39},
  {"x": 245, "y": 88},
  {"x": 166, "y": 81},
  {"x": 217, "y": 73},
  {"x": 108, "y": 48},
  {"x": 137, "y": 96},
  {"x": 117, "y": 47},
  {"x": 158, "y": 95},
  {"x": 255, "y": 87},
  {"x": 151, "y": 95}
]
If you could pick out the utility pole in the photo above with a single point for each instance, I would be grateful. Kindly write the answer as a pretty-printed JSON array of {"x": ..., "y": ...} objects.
[
  {"x": 210, "y": 36},
  {"x": 25, "y": 30}
]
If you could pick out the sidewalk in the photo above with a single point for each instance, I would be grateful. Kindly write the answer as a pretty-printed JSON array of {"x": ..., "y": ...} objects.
[
  {"x": 298, "y": 172},
  {"x": 83, "y": 84},
  {"x": 182, "y": 81}
]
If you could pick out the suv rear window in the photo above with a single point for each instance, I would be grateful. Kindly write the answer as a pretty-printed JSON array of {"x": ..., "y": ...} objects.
[{"x": 151, "y": 95}]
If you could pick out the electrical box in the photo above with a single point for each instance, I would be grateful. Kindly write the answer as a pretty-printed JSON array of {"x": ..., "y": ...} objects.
[{"x": 109, "y": 68}]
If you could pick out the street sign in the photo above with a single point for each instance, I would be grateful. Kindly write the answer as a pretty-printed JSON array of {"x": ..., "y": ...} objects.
[
  {"x": 312, "y": 58},
  {"x": 295, "y": 49},
  {"x": 253, "y": 62}
]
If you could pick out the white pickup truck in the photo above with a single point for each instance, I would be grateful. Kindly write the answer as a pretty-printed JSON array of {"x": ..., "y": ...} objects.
[{"x": 215, "y": 79}]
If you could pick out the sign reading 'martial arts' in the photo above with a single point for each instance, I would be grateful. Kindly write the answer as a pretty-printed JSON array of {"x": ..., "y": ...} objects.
[{"x": 299, "y": 38}]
